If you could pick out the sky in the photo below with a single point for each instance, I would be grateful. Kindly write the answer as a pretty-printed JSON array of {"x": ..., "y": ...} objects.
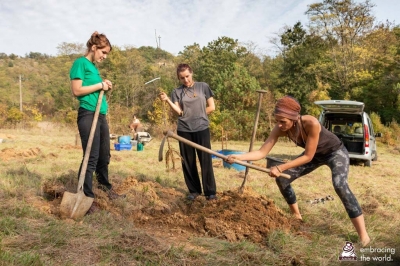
[{"x": 41, "y": 25}]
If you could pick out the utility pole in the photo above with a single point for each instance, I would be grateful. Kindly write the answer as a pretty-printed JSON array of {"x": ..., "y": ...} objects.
[
  {"x": 20, "y": 93},
  {"x": 155, "y": 33}
]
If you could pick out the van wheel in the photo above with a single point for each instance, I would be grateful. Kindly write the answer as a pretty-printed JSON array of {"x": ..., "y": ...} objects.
[
  {"x": 367, "y": 163},
  {"x": 376, "y": 156}
]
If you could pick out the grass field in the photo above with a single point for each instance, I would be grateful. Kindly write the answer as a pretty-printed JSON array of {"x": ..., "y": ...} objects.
[{"x": 156, "y": 226}]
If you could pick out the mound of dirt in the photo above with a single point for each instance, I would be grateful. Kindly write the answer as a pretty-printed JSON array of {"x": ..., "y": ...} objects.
[
  {"x": 233, "y": 217},
  {"x": 11, "y": 153},
  {"x": 160, "y": 210}
]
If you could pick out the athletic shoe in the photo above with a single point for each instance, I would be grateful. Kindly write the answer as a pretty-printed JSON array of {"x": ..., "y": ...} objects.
[
  {"x": 192, "y": 196},
  {"x": 211, "y": 197}
]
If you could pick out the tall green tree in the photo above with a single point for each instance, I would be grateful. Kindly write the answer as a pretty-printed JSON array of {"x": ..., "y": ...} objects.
[
  {"x": 298, "y": 75},
  {"x": 191, "y": 55},
  {"x": 343, "y": 24},
  {"x": 217, "y": 57},
  {"x": 224, "y": 64},
  {"x": 237, "y": 97},
  {"x": 380, "y": 90}
]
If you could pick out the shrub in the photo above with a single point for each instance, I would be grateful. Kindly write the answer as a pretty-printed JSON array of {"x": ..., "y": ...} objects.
[
  {"x": 3, "y": 113},
  {"x": 14, "y": 115}
]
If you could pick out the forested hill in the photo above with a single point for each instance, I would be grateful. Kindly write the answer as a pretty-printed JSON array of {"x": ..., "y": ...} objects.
[{"x": 343, "y": 54}]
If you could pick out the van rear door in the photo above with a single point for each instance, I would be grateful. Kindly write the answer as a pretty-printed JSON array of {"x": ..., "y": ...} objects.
[{"x": 339, "y": 106}]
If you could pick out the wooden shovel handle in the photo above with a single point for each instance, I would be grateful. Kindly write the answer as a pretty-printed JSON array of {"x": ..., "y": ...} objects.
[
  {"x": 90, "y": 142},
  {"x": 171, "y": 134}
]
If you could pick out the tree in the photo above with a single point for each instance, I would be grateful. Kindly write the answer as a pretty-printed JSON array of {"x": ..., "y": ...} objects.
[
  {"x": 65, "y": 48},
  {"x": 296, "y": 70},
  {"x": 343, "y": 24},
  {"x": 217, "y": 57},
  {"x": 124, "y": 68},
  {"x": 237, "y": 97},
  {"x": 37, "y": 56},
  {"x": 380, "y": 90},
  {"x": 191, "y": 55}
]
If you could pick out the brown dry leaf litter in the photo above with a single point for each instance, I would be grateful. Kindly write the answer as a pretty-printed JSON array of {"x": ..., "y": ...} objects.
[{"x": 165, "y": 211}]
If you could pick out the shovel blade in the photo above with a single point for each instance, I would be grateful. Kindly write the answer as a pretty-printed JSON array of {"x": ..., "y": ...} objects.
[{"x": 75, "y": 205}]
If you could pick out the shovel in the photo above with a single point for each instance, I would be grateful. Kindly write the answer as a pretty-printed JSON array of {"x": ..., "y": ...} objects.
[
  {"x": 76, "y": 205},
  {"x": 260, "y": 95},
  {"x": 169, "y": 133}
]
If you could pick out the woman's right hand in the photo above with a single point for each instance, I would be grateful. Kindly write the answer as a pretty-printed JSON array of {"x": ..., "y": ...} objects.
[
  {"x": 163, "y": 96},
  {"x": 274, "y": 171}
]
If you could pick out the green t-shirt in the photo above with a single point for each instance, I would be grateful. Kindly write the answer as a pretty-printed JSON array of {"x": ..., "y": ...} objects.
[{"x": 86, "y": 71}]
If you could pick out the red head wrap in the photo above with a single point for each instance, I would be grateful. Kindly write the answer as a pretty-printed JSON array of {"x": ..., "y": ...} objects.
[{"x": 287, "y": 107}]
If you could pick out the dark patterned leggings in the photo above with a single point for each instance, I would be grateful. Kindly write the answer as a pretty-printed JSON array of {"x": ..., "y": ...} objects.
[{"x": 338, "y": 162}]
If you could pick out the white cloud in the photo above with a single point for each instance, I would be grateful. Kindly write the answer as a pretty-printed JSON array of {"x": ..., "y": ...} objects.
[{"x": 39, "y": 26}]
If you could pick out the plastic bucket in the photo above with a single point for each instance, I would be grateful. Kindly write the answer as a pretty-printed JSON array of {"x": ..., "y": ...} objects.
[
  {"x": 235, "y": 166},
  {"x": 216, "y": 157},
  {"x": 134, "y": 144},
  {"x": 272, "y": 161},
  {"x": 139, "y": 146},
  {"x": 124, "y": 139}
]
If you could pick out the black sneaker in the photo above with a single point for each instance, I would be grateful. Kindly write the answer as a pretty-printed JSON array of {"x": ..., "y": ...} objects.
[
  {"x": 211, "y": 197},
  {"x": 112, "y": 195},
  {"x": 192, "y": 196}
]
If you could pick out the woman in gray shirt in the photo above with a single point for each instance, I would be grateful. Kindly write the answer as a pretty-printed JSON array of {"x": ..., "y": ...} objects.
[{"x": 193, "y": 101}]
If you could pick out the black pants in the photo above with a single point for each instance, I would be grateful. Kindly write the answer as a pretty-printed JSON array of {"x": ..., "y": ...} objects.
[
  {"x": 100, "y": 152},
  {"x": 338, "y": 162},
  {"x": 189, "y": 166}
]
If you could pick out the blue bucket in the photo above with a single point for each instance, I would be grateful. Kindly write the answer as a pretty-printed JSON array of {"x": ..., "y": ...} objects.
[
  {"x": 124, "y": 139},
  {"x": 216, "y": 157},
  {"x": 235, "y": 166}
]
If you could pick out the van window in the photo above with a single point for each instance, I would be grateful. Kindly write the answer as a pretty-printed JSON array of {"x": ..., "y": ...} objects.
[{"x": 337, "y": 129}]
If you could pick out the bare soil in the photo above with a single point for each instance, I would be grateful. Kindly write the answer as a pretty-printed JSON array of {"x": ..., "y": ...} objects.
[{"x": 166, "y": 213}]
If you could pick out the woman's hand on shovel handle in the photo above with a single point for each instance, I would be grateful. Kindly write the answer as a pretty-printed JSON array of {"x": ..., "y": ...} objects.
[
  {"x": 231, "y": 159},
  {"x": 107, "y": 85},
  {"x": 274, "y": 171}
]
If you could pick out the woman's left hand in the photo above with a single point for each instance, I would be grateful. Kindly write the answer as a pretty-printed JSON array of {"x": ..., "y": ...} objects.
[
  {"x": 230, "y": 159},
  {"x": 274, "y": 172},
  {"x": 109, "y": 84}
]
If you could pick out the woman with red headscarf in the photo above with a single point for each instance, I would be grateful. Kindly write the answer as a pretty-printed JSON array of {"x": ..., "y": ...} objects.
[{"x": 321, "y": 147}]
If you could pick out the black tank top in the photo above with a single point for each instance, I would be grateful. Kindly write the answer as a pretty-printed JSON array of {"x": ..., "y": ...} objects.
[{"x": 327, "y": 143}]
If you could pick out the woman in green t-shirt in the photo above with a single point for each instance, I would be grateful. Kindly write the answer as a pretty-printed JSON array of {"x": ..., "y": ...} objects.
[{"x": 86, "y": 85}]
